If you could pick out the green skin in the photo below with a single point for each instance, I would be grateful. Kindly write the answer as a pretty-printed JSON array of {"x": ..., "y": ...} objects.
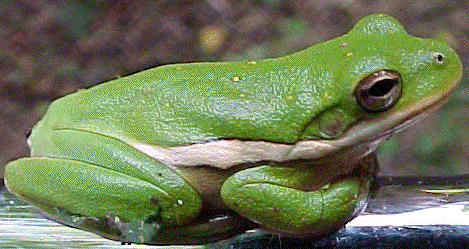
[{"x": 96, "y": 159}]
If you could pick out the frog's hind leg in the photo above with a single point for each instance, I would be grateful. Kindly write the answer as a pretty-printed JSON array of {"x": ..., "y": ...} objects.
[{"x": 101, "y": 184}]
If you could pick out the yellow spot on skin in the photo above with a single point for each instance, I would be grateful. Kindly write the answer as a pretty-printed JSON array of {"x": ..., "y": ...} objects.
[
  {"x": 178, "y": 68},
  {"x": 344, "y": 44},
  {"x": 242, "y": 95},
  {"x": 235, "y": 78},
  {"x": 252, "y": 63},
  {"x": 326, "y": 96},
  {"x": 349, "y": 54},
  {"x": 166, "y": 104},
  {"x": 289, "y": 97}
]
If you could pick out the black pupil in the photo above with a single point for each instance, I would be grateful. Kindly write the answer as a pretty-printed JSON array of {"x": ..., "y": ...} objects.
[
  {"x": 382, "y": 87},
  {"x": 439, "y": 57}
]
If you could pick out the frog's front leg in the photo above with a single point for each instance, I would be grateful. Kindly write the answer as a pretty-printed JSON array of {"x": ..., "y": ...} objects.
[{"x": 299, "y": 201}]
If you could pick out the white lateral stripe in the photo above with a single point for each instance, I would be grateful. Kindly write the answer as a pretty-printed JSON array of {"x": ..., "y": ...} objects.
[{"x": 227, "y": 153}]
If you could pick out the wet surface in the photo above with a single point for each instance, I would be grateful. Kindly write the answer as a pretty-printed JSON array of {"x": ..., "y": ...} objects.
[{"x": 22, "y": 227}]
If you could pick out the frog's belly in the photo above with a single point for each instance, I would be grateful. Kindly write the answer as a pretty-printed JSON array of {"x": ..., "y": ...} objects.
[{"x": 207, "y": 181}]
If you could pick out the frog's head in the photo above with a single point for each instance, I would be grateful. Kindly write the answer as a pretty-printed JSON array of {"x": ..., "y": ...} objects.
[{"x": 387, "y": 79}]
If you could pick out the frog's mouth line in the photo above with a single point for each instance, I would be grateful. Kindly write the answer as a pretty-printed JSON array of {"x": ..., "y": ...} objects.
[
  {"x": 228, "y": 153},
  {"x": 404, "y": 118},
  {"x": 372, "y": 131}
]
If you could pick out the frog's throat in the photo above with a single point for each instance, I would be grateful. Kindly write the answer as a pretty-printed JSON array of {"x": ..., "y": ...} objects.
[{"x": 363, "y": 137}]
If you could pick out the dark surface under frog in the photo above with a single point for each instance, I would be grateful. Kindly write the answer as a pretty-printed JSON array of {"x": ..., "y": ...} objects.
[{"x": 21, "y": 228}]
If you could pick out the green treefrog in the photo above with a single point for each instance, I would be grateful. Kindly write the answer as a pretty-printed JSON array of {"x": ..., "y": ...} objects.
[{"x": 199, "y": 152}]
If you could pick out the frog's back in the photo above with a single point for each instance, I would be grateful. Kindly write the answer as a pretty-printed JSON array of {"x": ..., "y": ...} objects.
[
  {"x": 188, "y": 103},
  {"x": 277, "y": 100}
]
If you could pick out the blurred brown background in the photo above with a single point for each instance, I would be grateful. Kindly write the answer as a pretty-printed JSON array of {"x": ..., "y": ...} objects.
[{"x": 51, "y": 48}]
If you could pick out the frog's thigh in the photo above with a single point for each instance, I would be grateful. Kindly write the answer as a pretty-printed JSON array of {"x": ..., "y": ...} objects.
[
  {"x": 266, "y": 195},
  {"x": 90, "y": 175}
]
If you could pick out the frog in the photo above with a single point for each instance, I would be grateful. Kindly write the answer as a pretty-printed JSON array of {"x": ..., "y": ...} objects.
[{"x": 195, "y": 153}]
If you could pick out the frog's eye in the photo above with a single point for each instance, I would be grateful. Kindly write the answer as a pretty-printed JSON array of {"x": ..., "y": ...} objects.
[{"x": 379, "y": 91}]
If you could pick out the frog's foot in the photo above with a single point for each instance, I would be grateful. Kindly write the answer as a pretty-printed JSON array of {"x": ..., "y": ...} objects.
[
  {"x": 111, "y": 226},
  {"x": 207, "y": 228},
  {"x": 273, "y": 198}
]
